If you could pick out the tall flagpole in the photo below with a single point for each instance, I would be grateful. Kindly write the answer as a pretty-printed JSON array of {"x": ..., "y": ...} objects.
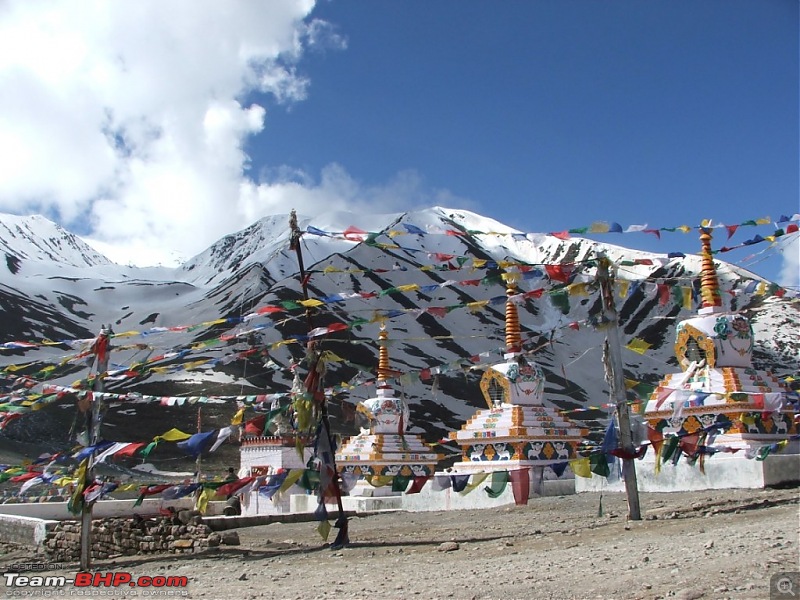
[
  {"x": 617, "y": 382},
  {"x": 342, "y": 539},
  {"x": 102, "y": 347}
]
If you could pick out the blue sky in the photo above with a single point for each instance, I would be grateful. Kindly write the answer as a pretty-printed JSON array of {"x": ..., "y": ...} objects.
[
  {"x": 551, "y": 115},
  {"x": 155, "y": 141}
]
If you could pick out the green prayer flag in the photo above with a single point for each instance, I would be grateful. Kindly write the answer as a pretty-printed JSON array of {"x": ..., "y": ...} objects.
[
  {"x": 599, "y": 464},
  {"x": 400, "y": 483},
  {"x": 497, "y": 485},
  {"x": 324, "y": 529},
  {"x": 669, "y": 448}
]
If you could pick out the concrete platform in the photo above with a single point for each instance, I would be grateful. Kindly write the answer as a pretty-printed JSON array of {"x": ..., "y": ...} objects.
[{"x": 721, "y": 472}]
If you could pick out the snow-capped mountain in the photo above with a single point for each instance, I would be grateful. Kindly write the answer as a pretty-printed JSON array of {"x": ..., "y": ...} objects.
[{"x": 420, "y": 273}]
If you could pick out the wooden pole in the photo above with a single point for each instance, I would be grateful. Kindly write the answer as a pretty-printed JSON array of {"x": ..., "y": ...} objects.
[
  {"x": 198, "y": 462},
  {"x": 617, "y": 383},
  {"x": 341, "y": 522},
  {"x": 102, "y": 348}
]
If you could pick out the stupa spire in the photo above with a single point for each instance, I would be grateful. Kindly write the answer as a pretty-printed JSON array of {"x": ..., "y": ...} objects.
[
  {"x": 513, "y": 336},
  {"x": 383, "y": 357},
  {"x": 709, "y": 283}
]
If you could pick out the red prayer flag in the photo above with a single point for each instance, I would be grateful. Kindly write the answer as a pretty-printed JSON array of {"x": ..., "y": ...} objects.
[
  {"x": 255, "y": 426},
  {"x": 559, "y": 272},
  {"x": 663, "y": 293},
  {"x": 354, "y": 234},
  {"x": 129, "y": 451},
  {"x": 419, "y": 483},
  {"x": 520, "y": 485},
  {"x": 230, "y": 488}
]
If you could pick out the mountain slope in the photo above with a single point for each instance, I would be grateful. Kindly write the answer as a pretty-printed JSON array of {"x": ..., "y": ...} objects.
[{"x": 205, "y": 313}]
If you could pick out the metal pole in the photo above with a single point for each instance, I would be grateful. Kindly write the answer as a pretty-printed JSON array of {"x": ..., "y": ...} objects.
[
  {"x": 617, "y": 383},
  {"x": 94, "y": 422}
]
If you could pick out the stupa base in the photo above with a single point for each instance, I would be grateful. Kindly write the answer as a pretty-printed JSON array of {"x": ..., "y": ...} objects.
[{"x": 721, "y": 472}]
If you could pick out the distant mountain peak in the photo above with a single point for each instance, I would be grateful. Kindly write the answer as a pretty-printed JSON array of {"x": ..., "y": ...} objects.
[{"x": 36, "y": 238}]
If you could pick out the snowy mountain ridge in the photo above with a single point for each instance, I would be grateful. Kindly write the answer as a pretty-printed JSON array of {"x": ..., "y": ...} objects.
[{"x": 58, "y": 288}]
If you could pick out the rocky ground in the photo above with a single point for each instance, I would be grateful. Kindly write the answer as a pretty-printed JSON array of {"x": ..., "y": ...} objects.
[{"x": 722, "y": 544}]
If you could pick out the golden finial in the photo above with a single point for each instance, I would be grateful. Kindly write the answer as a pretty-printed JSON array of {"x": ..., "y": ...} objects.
[
  {"x": 383, "y": 356},
  {"x": 513, "y": 337},
  {"x": 709, "y": 284}
]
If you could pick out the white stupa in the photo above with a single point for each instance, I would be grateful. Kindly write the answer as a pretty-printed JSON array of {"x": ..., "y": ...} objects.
[
  {"x": 719, "y": 385},
  {"x": 517, "y": 429},
  {"x": 386, "y": 448}
]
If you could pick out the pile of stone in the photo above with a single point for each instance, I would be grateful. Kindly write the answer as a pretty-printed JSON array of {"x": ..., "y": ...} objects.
[{"x": 183, "y": 532}]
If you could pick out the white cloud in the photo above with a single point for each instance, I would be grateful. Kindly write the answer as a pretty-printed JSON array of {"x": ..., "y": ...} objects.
[{"x": 126, "y": 117}]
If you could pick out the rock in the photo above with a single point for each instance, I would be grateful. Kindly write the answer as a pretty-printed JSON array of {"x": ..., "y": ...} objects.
[
  {"x": 214, "y": 540},
  {"x": 448, "y": 546},
  {"x": 229, "y": 538},
  {"x": 183, "y": 543},
  {"x": 185, "y": 516},
  {"x": 688, "y": 594}
]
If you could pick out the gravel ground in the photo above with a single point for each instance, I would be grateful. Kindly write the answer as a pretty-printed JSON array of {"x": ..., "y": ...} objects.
[{"x": 715, "y": 544}]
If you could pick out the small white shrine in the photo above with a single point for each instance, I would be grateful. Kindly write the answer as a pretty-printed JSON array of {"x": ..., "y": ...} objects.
[
  {"x": 518, "y": 429},
  {"x": 267, "y": 455},
  {"x": 385, "y": 448}
]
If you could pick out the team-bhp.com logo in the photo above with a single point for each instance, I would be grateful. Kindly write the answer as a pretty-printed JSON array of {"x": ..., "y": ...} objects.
[{"x": 18, "y": 585}]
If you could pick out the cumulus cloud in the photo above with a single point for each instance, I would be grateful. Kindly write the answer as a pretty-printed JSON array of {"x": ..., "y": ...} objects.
[{"x": 125, "y": 120}]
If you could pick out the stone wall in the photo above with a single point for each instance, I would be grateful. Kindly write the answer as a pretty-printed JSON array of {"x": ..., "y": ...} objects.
[{"x": 181, "y": 533}]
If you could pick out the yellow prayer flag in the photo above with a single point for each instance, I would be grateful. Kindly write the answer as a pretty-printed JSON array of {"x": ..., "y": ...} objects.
[
  {"x": 330, "y": 356},
  {"x": 623, "y": 287},
  {"x": 238, "y": 417},
  {"x": 686, "y": 293},
  {"x": 193, "y": 364},
  {"x": 379, "y": 480},
  {"x": 291, "y": 479},
  {"x": 638, "y": 345},
  {"x": 214, "y": 322},
  {"x": 599, "y": 227},
  {"x": 174, "y": 435},
  {"x": 578, "y": 289},
  {"x": 581, "y": 467},
  {"x": 762, "y": 288},
  {"x": 763, "y": 221},
  {"x": 478, "y": 263},
  {"x": 705, "y": 223},
  {"x": 473, "y": 306},
  {"x": 126, "y": 334},
  {"x": 331, "y": 270},
  {"x": 410, "y": 287},
  {"x": 477, "y": 479},
  {"x": 202, "y": 501},
  {"x": 310, "y": 303},
  {"x": 684, "y": 228}
]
